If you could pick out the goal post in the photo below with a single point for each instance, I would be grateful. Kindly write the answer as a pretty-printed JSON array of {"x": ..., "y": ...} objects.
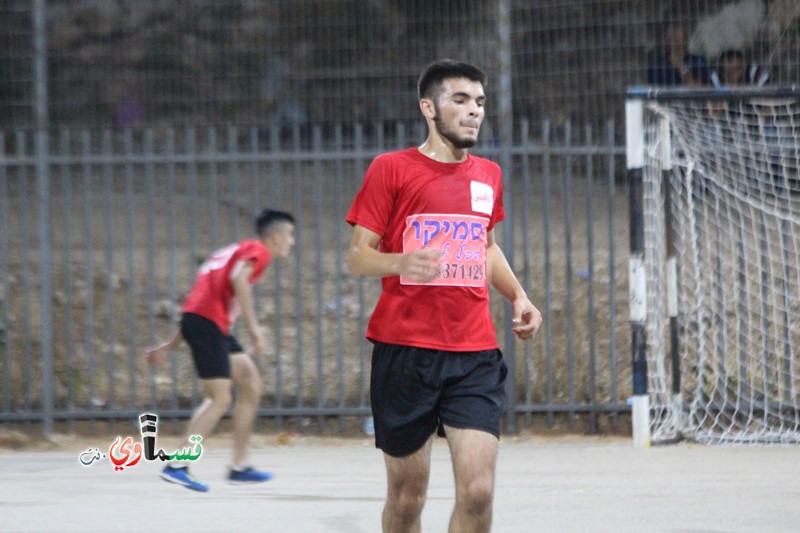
[{"x": 714, "y": 181}]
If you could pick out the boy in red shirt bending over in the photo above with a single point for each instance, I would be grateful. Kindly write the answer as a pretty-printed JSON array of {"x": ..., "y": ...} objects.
[{"x": 223, "y": 290}]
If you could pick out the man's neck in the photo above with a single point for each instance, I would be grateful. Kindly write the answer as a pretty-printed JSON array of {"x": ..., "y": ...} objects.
[{"x": 442, "y": 152}]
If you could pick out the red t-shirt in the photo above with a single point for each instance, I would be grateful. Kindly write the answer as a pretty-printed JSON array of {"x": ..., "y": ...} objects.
[
  {"x": 413, "y": 201},
  {"x": 212, "y": 295}
]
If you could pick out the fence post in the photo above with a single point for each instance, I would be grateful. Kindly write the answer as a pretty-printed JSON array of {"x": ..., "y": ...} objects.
[
  {"x": 634, "y": 117},
  {"x": 43, "y": 199},
  {"x": 506, "y": 134}
]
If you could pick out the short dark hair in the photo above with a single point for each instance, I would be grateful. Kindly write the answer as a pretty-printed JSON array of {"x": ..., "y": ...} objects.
[
  {"x": 430, "y": 81},
  {"x": 730, "y": 54},
  {"x": 269, "y": 218}
]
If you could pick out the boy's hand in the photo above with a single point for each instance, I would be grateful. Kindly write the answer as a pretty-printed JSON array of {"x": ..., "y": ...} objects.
[
  {"x": 259, "y": 344},
  {"x": 156, "y": 356}
]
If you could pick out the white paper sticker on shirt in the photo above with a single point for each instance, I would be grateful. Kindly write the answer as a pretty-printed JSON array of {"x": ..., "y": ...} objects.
[
  {"x": 461, "y": 241},
  {"x": 482, "y": 197}
]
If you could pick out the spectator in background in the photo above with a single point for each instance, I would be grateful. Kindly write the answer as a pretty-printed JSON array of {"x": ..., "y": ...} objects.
[
  {"x": 733, "y": 69},
  {"x": 129, "y": 113},
  {"x": 672, "y": 64}
]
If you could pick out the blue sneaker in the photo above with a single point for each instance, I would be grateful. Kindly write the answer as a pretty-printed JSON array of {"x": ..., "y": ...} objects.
[
  {"x": 248, "y": 475},
  {"x": 181, "y": 476}
]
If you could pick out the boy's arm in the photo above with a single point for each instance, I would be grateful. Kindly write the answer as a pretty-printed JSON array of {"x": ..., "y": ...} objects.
[
  {"x": 240, "y": 281},
  {"x": 157, "y": 355}
]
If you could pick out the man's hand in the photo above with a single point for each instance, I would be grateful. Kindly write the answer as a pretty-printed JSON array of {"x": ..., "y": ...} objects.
[
  {"x": 527, "y": 319},
  {"x": 420, "y": 265}
]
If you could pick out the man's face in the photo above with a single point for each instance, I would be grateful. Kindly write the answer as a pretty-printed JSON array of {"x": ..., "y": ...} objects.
[
  {"x": 676, "y": 40},
  {"x": 281, "y": 240},
  {"x": 733, "y": 70},
  {"x": 460, "y": 111}
]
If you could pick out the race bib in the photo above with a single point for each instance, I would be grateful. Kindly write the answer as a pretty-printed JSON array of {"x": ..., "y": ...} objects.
[{"x": 461, "y": 241}]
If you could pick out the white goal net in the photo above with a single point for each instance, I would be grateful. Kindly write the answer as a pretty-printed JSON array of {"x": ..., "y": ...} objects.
[{"x": 721, "y": 201}]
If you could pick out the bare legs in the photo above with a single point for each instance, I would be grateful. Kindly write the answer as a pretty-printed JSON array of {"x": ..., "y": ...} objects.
[
  {"x": 219, "y": 399},
  {"x": 246, "y": 377},
  {"x": 407, "y": 479},
  {"x": 474, "y": 457}
]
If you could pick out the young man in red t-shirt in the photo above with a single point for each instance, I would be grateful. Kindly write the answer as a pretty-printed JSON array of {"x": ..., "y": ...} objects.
[
  {"x": 424, "y": 222},
  {"x": 223, "y": 290}
]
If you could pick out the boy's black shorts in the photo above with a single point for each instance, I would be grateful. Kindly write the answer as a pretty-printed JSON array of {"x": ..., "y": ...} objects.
[
  {"x": 415, "y": 391},
  {"x": 210, "y": 347}
]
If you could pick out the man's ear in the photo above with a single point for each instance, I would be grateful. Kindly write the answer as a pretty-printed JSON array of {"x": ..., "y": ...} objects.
[{"x": 427, "y": 108}]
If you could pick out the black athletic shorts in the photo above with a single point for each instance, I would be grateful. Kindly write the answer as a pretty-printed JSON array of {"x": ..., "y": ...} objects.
[
  {"x": 210, "y": 347},
  {"x": 415, "y": 391}
]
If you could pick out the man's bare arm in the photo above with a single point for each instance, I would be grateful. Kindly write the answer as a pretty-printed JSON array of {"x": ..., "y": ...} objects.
[{"x": 364, "y": 259}]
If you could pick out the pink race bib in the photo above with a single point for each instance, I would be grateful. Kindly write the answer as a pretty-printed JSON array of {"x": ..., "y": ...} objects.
[{"x": 461, "y": 240}]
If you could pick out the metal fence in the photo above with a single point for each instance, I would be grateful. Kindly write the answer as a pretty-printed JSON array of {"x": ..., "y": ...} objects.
[
  {"x": 148, "y": 64},
  {"x": 101, "y": 234}
]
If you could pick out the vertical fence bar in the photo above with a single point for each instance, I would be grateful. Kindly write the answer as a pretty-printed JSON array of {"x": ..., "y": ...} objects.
[
  {"x": 634, "y": 140},
  {"x": 320, "y": 275},
  {"x": 213, "y": 178},
  {"x": 527, "y": 378},
  {"x": 172, "y": 263},
  {"x": 172, "y": 283},
  {"x": 26, "y": 215},
  {"x": 276, "y": 178},
  {"x": 338, "y": 146},
  {"x": 766, "y": 350},
  {"x": 66, "y": 180},
  {"x": 131, "y": 261},
  {"x": 255, "y": 208},
  {"x": 785, "y": 241},
  {"x": 506, "y": 129},
  {"x": 339, "y": 262},
  {"x": 297, "y": 179},
  {"x": 362, "y": 365},
  {"x": 742, "y": 301},
  {"x": 233, "y": 174},
  {"x": 590, "y": 281},
  {"x": 612, "y": 268},
  {"x": 722, "y": 302},
  {"x": 570, "y": 295},
  {"x": 340, "y": 274},
  {"x": 548, "y": 272},
  {"x": 43, "y": 193},
  {"x": 5, "y": 274},
  {"x": 111, "y": 281},
  {"x": 86, "y": 169},
  {"x": 150, "y": 198},
  {"x": 192, "y": 152}
]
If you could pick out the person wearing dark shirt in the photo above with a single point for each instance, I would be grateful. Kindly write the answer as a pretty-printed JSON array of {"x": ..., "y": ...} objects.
[{"x": 673, "y": 65}]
